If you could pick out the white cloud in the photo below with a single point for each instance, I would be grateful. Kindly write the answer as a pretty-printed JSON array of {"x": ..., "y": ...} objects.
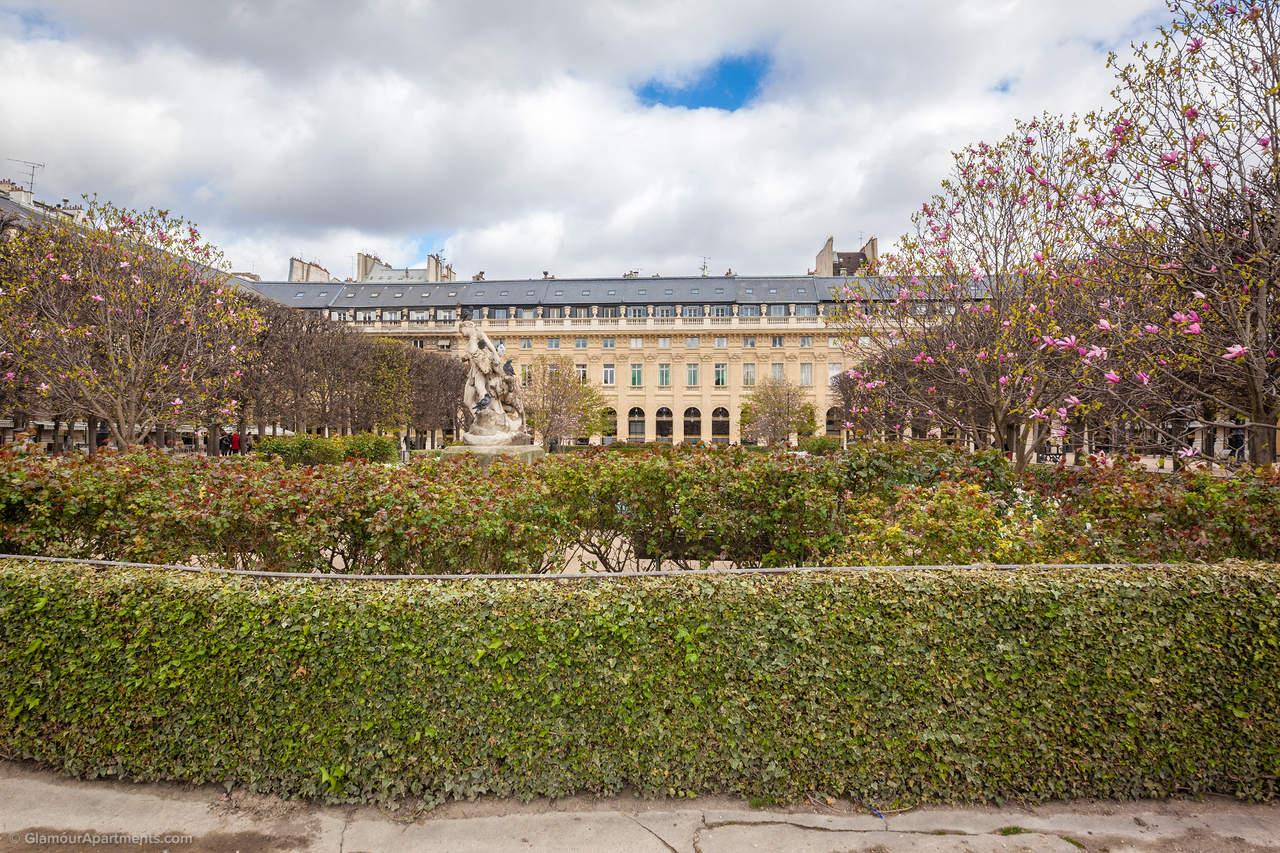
[{"x": 508, "y": 133}]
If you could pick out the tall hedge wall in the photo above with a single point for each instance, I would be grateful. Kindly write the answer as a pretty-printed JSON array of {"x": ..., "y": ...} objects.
[{"x": 883, "y": 687}]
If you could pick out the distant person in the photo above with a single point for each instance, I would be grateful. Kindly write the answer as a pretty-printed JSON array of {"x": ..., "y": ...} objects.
[{"x": 235, "y": 443}]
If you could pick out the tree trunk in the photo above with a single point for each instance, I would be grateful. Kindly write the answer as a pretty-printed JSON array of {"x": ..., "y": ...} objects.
[{"x": 1262, "y": 439}]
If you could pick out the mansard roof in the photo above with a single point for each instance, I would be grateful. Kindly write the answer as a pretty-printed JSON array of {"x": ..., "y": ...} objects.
[{"x": 552, "y": 292}]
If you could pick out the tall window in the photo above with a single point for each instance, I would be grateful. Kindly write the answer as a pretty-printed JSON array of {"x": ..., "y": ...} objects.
[
  {"x": 606, "y": 343},
  {"x": 664, "y": 310},
  {"x": 720, "y": 426},
  {"x": 581, "y": 370},
  {"x": 635, "y": 424},
  {"x": 692, "y": 342},
  {"x": 499, "y": 313},
  {"x": 777, "y": 310},
  {"x": 606, "y": 375},
  {"x": 777, "y": 370},
  {"x": 748, "y": 310},
  {"x": 637, "y": 375},
  {"x": 806, "y": 374},
  {"x": 692, "y": 311},
  {"x": 748, "y": 375},
  {"x": 691, "y": 374},
  {"x": 806, "y": 310},
  {"x": 664, "y": 375},
  {"x": 833, "y": 370},
  {"x": 609, "y": 426},
  {"x": 749, "y": 341},
  {"x": 722, "y": 375},
  {"x": 692, "y": 425},
  {"x": 526, "y": 343},
  {"x": 553, "y": 343},
  {"x": 637, "y": 343},
  {"x": 637, "y": 310},
  {"x": 662, "y": 425},
  {"x": 664, "y": 343},
  {"x": 607, "y": 311},
  {"x": 720, "y": 311},
  {"x": 556, "y": 313},
  {"x": 579, "y": 343},
  {"x": 722, "y": 342},
  {"x": 833, "y": 421},
  {"x": 777, "y": 341},
  {"x": 806, "y": 340},
  {"x": 525, "y": 374}
]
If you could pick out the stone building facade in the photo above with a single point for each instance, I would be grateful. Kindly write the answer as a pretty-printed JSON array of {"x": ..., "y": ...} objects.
[{"x": 675, "y": 357}]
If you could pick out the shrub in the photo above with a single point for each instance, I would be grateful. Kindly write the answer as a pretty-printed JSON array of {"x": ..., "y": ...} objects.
[
  {"x": 301, "y": 449},
  {"x": 369, "y": 447},
  {"x": 883, "y": 687},
  {"x": 822, "y": 445}
]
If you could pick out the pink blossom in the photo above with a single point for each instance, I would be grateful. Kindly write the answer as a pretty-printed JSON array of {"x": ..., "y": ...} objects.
[
  {"x": 124, "y": 265},
  {"x": 1235, "y": 351},
  {"x": 1073, "y": 401},
  {"x": 1151, "y": 328},
  {"x": 64, "y": 277},
  {"x": 1194, "y": 45},
  {"x": 1104, "y": 325},
  {"x": 1193, "y": 329},
  {"x": 1187, "y": 452},
  {"x": 1264, "y": 141},
  {"x": 1111, "y": 376},
  {"x": 1059, "y": 432},
  {"x": 1143, "y": 377},
  {"x": 96, "y": 298},
  {"x": 1191, "y": 113}
]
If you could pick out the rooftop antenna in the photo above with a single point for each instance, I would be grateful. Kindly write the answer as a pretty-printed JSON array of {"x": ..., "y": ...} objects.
[
  {"x": 31, "y": 166},
  {"x": 705, "y": 258}
]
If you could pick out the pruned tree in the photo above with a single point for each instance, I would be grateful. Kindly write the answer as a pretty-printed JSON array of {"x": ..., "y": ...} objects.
[
  {"x": 558, "y": 404},
  {"x": 774, "y": 410}
]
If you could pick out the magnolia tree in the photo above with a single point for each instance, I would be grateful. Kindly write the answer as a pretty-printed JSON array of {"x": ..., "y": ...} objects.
[
  {"x": 124, "y": 318},
  {"x": 1182, "y": 196},
  {"x": 968, "y": 324},
  {"x": 558, "y": 403}
]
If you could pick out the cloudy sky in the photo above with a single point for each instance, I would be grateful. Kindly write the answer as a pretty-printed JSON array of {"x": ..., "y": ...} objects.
[{"x": 584, "y": 137}]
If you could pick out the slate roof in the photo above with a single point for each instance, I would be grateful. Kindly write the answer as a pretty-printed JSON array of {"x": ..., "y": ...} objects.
[{"x": 551, "y": 292}]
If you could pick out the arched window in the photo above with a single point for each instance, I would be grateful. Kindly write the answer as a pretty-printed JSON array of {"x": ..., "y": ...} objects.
[
  {"x": 833, "y": 421},
  {"x": 692, "y": 425},
  {"x": 720, "y": 426},
  {"x": 663, "y": 425},
  {"x": 635, "y": 424},
  {"x": 609, "y": 427}
]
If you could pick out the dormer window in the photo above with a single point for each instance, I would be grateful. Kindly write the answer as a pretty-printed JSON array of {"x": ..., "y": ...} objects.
[
  {"x": 374, "y": 294},
  {"x": 299, "y": 295},
  {"x": 451, "y": 293},
  {"x": 398, "y": 295},
  {"x": 586, "y": 293}
]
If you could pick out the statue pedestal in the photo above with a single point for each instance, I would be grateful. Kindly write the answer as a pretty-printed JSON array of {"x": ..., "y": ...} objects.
[{"x": 486, "y": 454}]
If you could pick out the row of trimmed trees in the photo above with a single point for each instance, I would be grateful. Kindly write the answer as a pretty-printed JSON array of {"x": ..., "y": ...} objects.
[{"x": 1114, "y": 274}]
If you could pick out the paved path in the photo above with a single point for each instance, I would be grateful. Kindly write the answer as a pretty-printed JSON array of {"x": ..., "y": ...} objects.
[{"x": 41, "y": 811}]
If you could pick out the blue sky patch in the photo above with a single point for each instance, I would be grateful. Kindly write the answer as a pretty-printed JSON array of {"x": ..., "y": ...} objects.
[
  {"x": 1003, "y": 86},
  {"x": 34, "y": 24},
  {"x": 729, "y": 83}
]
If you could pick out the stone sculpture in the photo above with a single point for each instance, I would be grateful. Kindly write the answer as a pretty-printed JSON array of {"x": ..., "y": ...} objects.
[{"x": 492, "y": 392}]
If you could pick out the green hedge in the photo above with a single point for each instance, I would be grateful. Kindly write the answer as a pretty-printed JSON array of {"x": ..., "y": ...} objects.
[
  {"x": 887, "y": 688},
  {"x": 917, "y": 503},
  {"x": 317, "y": 450}
]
